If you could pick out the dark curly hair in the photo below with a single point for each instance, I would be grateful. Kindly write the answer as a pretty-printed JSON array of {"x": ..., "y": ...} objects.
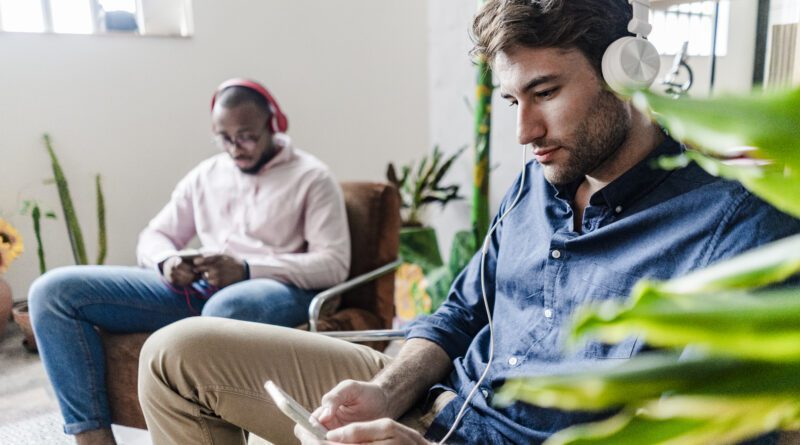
[{"x": 588, "y": 25}]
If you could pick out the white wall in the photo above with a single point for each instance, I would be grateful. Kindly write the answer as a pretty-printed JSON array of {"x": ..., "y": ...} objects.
[
  {"x": 351, "y": 75},
  {"x": 452, "y": 82}
]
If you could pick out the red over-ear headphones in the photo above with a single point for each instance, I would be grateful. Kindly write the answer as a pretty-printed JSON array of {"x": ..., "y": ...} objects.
[{"x": 279, "y": 123}]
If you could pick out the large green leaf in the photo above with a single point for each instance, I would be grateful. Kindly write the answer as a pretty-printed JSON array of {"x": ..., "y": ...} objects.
[
  {"x": 419, "y": 245},
  {"x": 761, "y": 326},
  {"x": 649, "y": 377},
  {"x": 687, "y": 421},
  {"x": 440, "y": 279},
  {"x": 768, "y": 123}
]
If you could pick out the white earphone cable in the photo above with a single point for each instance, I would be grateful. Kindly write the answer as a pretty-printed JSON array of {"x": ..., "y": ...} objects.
[{"x": 484, "y": 249}]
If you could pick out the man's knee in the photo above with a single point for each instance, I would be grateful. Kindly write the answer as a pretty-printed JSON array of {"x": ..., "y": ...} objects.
[
  {"x": 228, "y": 307},
  {"x": 48, "y": 293},
  {"x": 244, "y": 301},
  {"x": 179, "y": 343}
]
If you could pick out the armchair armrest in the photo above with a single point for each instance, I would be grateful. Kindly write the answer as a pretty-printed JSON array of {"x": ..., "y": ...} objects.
[
  {"x": 368, "y": 335},
  {"x": 316, "y": 304}
]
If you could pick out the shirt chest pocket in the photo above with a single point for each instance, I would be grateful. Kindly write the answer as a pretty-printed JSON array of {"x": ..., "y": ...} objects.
[{"x": 599, "y": 284}]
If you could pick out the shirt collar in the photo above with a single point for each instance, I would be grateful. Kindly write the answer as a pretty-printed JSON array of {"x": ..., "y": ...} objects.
[
  {"x": 286, "y": 153},
  {"x": 637, "y": 181}
]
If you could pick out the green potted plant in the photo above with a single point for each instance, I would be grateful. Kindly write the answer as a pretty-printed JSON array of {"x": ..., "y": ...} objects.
[
  {"x": 420, "y": 185},
  {"x": 74, "y": 233},
  {"x": 743, "y": 331}
]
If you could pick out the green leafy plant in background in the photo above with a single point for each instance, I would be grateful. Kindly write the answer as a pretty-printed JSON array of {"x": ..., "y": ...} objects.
[
  {"x": 420, "y": 185},
  {"x": 740, "y": 337},
  {"x": 71, "y": 218}
]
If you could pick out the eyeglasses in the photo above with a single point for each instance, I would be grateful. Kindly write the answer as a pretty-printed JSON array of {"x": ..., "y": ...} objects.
[{"x": 247, "y": 141}]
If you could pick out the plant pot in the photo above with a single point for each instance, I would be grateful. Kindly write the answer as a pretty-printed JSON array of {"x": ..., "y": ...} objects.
[
  {"x": 23, "y": 319},
  {"x": 6, "y": 302}
]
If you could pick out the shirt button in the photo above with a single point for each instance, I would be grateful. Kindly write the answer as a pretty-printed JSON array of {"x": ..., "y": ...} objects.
[
  {"x": 485, "y": 393},
  {"x": 512, "y": 361},
  {"x": 618, "y": 209},
  {"x": 548, "y": 313},
  {"x": 556, "y": 254}
]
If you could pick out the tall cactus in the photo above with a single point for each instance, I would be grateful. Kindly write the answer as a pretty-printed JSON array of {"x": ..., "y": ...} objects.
[
  {"x": 102, "y": 241},
  {"x": 71, "y": 218},
  {"x": 36, "y": 216}
]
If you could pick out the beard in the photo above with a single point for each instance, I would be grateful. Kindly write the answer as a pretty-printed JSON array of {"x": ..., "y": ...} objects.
[
  {"x": 596, "y": 141},
  {"x": 266, "y": 156}
]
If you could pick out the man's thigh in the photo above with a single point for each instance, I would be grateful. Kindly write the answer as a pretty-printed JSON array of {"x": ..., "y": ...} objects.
[
  {"x": 263, "y": 301},
  {"x": 220, "y": 366},
  {"x": 122, "y": 299}
]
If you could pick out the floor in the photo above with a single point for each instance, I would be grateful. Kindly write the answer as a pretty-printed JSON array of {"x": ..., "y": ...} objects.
[
  {"x": 28, "y": 408},
  {"x": 24, "y": 389}
]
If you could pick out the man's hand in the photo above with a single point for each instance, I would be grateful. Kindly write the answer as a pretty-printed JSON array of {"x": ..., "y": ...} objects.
[
  {"x": 178, "y": 272},
  {"x": 380, "y": 431},
  {"x": 220, "y": 270},
  {"x": 351, "y": 401}
]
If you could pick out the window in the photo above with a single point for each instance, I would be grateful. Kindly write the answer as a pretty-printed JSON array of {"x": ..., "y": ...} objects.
[
  {"x": 143, "y": 17},
  {"x": 692, "y": 22}
]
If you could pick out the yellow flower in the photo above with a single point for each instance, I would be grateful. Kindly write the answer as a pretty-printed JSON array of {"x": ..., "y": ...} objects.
[{"x": 10, "y": 245}]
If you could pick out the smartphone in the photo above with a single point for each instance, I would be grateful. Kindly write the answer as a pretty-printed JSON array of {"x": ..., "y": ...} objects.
[
  {"x": 294, "y": 410},
  {"x": 188, "y": 255}
]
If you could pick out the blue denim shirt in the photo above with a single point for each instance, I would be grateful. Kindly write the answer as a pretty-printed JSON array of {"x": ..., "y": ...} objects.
[{"x": 648, "y": 223}]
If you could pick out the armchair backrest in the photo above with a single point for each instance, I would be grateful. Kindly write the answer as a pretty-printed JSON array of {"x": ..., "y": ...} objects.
[{"x": 373, "y": 213}]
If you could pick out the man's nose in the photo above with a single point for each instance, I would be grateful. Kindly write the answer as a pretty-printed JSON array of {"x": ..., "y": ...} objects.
[{"x": 530, "y": 125}]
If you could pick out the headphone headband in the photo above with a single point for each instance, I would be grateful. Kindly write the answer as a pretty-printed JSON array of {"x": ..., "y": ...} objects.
[{"x": 278, "y": 123}]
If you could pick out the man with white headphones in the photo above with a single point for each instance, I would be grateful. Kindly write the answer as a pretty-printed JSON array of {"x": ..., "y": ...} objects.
[
  {"x": 583, "y": 223},
  {"x": 271, "y": 222}
]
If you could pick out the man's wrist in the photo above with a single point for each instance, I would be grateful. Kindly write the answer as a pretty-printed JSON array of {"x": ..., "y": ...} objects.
[
  {"x": 389, "y": 390},
  {"x": 246, "y": 267},
  {"x": 160, "y": 265}
]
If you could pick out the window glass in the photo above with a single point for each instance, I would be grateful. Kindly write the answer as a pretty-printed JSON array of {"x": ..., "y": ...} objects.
[
  {"x": 118, "y": 5},
  {"x": 72, "y": 16},
  {"x": 137, "y": 17},
  {"x": 692, "y": 22},
  {"x": 21, "y": 16}
]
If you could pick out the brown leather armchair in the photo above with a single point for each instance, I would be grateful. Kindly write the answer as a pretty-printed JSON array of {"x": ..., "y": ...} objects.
[{"x": 364, "y": 302}]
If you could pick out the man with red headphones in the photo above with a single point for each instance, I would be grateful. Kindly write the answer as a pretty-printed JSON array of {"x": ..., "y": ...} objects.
[
  {"x": 583, "y": 223},
  {"x": 271, "y": 222}
]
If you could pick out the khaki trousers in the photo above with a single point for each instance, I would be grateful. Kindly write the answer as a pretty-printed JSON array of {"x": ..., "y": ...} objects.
[{"x": 201, "y": 379}]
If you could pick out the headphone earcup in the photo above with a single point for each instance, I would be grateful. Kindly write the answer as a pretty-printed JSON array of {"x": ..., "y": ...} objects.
[
  {"x": 630, "y": 63},
  {"x": 279, "y": 122}
]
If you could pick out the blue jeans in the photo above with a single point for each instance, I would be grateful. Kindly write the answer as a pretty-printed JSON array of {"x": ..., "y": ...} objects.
[{"x": 67, "y": 304}]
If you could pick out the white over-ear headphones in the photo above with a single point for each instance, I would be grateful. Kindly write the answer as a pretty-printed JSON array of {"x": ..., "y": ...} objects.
[{"x": 632, "y": 63}]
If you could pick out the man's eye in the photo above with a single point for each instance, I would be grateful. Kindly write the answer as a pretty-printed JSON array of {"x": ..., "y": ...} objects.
[
  {"x": 512, "y": 103},
  {"x": 546, "y": 94}
]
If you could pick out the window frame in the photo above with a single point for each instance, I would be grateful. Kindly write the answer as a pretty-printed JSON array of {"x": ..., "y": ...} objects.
[{"x": 98, "y": 28}]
